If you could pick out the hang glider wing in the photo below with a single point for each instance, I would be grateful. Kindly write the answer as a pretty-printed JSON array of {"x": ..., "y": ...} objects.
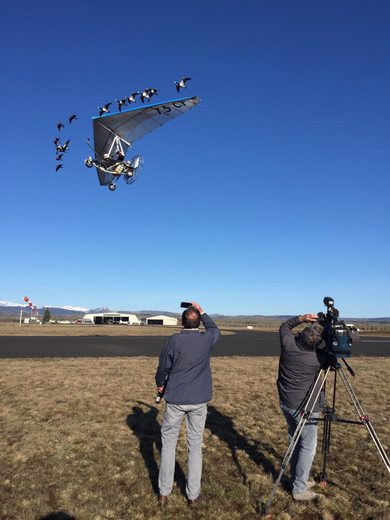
[
  {"x": 133, "y": 124},
  {"x": 105, "y": 178}
]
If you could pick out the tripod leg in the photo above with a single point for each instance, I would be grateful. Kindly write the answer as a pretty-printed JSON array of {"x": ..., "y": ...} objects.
[
  {"x": 363, "y": 417},
  {"x": 325, "y": 446},
  {"x": 382, "y": 453},
  {"x": 290, "y": 450},
  {"x": 328, "y": 415},
  {"x": 265, "y": 507}
]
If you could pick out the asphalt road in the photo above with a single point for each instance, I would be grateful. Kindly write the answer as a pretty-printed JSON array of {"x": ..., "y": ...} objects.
[{"x": 241, "y": 343}]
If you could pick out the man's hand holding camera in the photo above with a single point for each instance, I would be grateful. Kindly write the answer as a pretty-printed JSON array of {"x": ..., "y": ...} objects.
[
  {"x": 308, "y": 318},
  {"x": 198, "y": 307}
]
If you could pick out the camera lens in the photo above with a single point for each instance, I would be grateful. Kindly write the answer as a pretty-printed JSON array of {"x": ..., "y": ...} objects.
[{"x": 329, "y": 302}]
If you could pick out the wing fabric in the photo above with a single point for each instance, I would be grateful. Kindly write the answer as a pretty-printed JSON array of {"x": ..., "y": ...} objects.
[
  {"x": 133, "y": 124},
  {"x": 105, "y": 178}
]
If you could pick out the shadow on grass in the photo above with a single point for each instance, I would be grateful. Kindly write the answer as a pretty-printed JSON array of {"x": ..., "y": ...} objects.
[
  {"x": 148, "y": 430},
  {"x": 61, "y": 515},
  {"x": 223, "y": 426}
]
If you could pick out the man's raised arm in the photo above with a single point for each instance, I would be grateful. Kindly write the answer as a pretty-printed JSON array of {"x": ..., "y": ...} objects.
[{"x": 208, "y": 323}]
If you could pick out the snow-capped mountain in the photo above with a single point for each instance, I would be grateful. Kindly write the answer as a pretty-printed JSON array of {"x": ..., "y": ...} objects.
[
  {"x": 25, "y": 304},
  {"x": 68, "y": 308},
  {"x": 102, "y": 309},
  {"x": 9, "y": 304}
]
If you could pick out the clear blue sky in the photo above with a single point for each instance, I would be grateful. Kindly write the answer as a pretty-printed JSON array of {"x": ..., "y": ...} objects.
[{"x": 268, "y": 196}]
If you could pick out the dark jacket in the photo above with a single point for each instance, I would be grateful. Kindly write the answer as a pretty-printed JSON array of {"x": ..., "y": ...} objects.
[
  {"x": 185, "y": 359},
  {"x": 298, "y": 369}
]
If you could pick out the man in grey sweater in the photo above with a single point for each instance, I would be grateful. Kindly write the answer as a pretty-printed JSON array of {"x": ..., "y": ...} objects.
[
  {"x": 300, "y": 363},
  {"x": 184, "y": 375}
]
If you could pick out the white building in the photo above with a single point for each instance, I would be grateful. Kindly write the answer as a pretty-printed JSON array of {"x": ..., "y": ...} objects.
[
  {"x": 110, "y": 318},
  {"x": 161, "y": 320}
]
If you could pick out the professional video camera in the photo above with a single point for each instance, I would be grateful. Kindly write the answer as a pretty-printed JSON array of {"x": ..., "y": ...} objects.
[{"x": 337, "y": 335}]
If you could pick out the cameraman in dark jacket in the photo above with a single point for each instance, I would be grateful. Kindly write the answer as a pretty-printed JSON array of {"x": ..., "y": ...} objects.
[
  {"x": 184, "y": 374},
  {"x": 300, "y": 363}
]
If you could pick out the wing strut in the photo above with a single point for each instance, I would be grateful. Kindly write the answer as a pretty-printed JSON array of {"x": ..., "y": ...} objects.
[
  {"x": 93, "y": 149},
  {"x": 116, "y": 135}
]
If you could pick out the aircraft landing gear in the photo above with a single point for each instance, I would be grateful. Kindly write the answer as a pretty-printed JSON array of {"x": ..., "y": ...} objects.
[
  {"x": 88, "y": 162},
  {"x": 112, "y": 187}
]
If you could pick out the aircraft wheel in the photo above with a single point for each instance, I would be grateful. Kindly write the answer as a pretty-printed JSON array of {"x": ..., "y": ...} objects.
[
  {"x": 88, "y": 163},
  {"x": 112, "y": 187}
]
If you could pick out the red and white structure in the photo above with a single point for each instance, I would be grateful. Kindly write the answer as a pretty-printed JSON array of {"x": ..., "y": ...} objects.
[{"x": 27, "y": 300}]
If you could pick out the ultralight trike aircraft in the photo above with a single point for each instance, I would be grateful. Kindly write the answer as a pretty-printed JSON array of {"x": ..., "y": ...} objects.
[{"x": 115, "y": 133}]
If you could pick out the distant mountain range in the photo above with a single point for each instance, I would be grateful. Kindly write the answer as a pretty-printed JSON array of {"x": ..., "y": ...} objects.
[
  {"x": 8, "y": 309},
  {"x": 12, "y": 309}
]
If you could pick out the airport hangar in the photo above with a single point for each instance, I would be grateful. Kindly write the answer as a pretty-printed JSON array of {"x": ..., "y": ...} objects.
[
  {"x": 110, "y": 318},
  {"x": 118, "y": 318},
  {"x": 161, "y": 320}
]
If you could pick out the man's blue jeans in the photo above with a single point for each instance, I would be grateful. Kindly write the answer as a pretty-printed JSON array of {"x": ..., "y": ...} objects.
[{"x": 303, "y": 455}]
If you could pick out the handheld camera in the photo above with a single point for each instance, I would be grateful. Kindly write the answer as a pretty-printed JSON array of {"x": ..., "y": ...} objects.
[{"x": 159, "y": 397}]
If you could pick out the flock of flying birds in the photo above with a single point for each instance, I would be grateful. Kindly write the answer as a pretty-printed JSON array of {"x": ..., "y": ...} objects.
[
  {"x": 146, "y": 94},
  {"x": 61, "y": 149}
]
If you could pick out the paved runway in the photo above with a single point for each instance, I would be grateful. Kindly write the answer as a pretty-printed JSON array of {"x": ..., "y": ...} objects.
[{"x": 241, "y": 343}]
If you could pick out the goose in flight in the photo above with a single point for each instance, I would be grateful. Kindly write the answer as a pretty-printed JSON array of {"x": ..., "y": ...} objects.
[
  {"x": 181, "y": 84},
  {"x": 131, "y": 99},
  {"x": 145, "y": 95},
  {"x": 121, "y": 102},
  {"x": 104, "y": 109}
]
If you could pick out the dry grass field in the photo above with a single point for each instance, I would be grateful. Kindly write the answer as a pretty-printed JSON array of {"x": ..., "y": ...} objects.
[
  {"x": 82, "y": 436},
  {"x": 8, "y": 328},
  {"x": 13, "y": 329}
]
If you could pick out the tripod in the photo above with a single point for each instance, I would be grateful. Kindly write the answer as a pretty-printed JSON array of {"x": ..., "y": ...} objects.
[{"x": 329, "y": 417}]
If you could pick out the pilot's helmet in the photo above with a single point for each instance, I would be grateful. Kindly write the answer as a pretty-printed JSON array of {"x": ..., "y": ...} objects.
[{"x": 106, "y": 156}]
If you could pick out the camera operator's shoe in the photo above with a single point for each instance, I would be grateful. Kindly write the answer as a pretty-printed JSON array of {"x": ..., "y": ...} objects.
[{"x": 307, "y": 495}]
